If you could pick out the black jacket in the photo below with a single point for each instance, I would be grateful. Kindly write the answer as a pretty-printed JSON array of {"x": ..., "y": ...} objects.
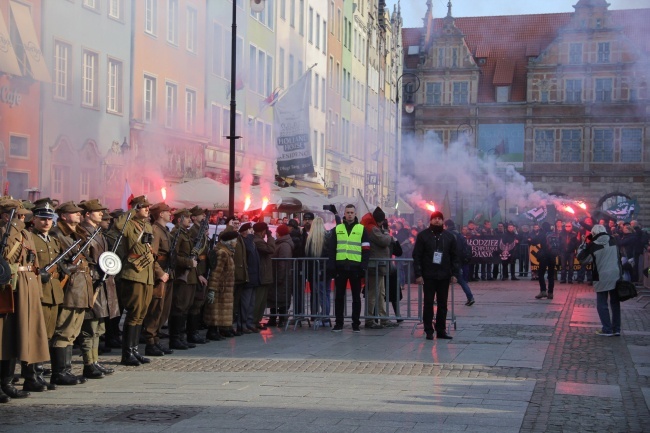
[
  {"x": 425, "y": 245},
  {"x": 348, "y": 265}
]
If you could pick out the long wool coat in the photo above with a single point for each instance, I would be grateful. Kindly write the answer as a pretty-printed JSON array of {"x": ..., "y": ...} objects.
[
  {"x": 222, "y": 282},
  {"x": 22, "y": 333}
]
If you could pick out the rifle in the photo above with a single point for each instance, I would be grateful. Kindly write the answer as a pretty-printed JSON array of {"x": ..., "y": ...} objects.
[
  {"x": 77, "y": 257},
  {"x": 5, "y": 235},
  {"x": 212, "y": 254},
  {"x": 50, "y": 268},
  {"x": 171, "y": 264},
  {"x": 5, "y": 273},
  {"x": 198, "y": 245}
]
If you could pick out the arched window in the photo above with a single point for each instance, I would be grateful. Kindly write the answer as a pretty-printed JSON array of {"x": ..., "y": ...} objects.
[{"x": 610, "y": 200}]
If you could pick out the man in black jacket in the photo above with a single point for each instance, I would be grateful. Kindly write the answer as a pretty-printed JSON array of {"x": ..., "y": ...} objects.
[{"x": 436, "y": 263}]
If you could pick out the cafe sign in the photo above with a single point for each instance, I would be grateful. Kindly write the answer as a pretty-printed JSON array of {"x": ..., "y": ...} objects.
[{"x": 10, "y": 96}]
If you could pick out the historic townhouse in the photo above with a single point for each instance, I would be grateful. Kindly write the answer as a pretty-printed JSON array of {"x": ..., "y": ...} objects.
[{"x": 561, "y": 97}]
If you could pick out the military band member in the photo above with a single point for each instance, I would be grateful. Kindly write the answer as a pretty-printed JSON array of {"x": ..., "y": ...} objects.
[
  {"x": 163, "y": 286},
  {"x": 137, "y": 277},
  {"x": 22, "y": 332},
  {"x": 183, "y": 295},
  {"x": 105, "y": 305},
  {"x": 197, "y": 278}
]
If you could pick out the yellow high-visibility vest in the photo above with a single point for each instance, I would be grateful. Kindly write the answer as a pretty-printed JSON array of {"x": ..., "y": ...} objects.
[{"x": 348, "y": 246}]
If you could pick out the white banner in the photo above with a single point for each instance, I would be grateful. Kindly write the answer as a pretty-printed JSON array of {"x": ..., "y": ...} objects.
[{"x": 292, "y": 133}]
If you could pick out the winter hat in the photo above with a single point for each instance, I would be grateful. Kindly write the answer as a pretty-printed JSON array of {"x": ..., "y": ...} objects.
[
  {"x": 282, "y": 230},
  {"x": 260, "y": 227},
  {"x": 244, "y": 227},
  {"x": 450, "y": 224},
  {"x": 436, "y": 214},
  {"x": 226, "y": 236},
  {"x": 293, "y": 223},
  {"x": 379, "y": 215},
  {"x": 598, "y": 229}
]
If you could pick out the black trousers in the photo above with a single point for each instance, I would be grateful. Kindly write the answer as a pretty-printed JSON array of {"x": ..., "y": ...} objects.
[
  {"x": 341, "y": 280},
  {"x": 438, "y": 290}
]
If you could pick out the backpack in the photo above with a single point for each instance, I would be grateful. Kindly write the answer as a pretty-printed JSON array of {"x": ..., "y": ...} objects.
[{"x": 553, "y": 243}]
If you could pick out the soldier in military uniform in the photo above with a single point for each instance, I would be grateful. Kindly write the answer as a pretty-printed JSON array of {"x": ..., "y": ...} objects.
[
  {"x": 78, "y": 294},
  {"x": 197, "y": 215},
  {"x": 112, "y": 336},
  {"x": 183, "y": 295},
  {"x": 22, "y": 332},
  {"x": 105, "y": 305},
  {"x": 137, "y": 277},
  {"x": 48, "y": 248},
  {"x": 162, "y": 292}
]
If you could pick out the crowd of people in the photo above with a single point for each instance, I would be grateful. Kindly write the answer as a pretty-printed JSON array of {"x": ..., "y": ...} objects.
[{"x": 77, "y": 274}]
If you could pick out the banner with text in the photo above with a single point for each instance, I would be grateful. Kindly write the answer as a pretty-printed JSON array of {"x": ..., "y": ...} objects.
[{"x": 292, "y": 133}]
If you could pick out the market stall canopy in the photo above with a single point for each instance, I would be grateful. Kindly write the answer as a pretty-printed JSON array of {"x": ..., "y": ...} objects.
[
  {"x": 403, "y": 207},
  {"x": 300, "y": 200}
]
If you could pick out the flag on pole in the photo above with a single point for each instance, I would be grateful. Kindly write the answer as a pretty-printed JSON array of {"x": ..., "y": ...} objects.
[
  {"x": 292, "y": 132},
  {"x": 127, "y": 195},
  {"x": 269, "y": 100}
]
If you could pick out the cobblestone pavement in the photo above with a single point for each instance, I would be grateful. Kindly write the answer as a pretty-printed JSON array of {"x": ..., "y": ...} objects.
[{"x": 515, "y": 364}]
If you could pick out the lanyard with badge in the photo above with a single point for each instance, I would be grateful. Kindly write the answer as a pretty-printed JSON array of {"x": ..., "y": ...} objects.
[{"x": 437, "y": 255}]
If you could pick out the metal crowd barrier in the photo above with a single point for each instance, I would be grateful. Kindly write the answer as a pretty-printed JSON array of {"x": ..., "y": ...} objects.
[{"x": 304, "y": 292}]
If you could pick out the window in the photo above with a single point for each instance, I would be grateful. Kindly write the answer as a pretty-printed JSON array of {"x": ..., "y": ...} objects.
[
  {"x": 603, "y": 90},
  {"x": 503, "y": 93},
  {"x": 316, "y": 92},
  {"x": 573, "y": 91},
  {"x": 345, "y": 31},
  {"x": 91, "y": 4},
  {"x": 331, "y": 15},
  {"x": 268, "y": 76},
  {"x": 266, "y": 16},
  {"x": 292, "y": 14},
  {"x": 18, "y": 146},
  {"x": 89, "y": 80},
  {"x": 317, "y": 36},
  {"x": 544, "y": 145},
  {"x": 60, "y": 180},
  {"x": 261, "y": 69},
  {"x": 544, "y": 96},
  {"x": 62, "y": 67},
  {"x": 151, "y": 16},
  {"x": 603, "y": 145},
  {"x": 338, "y": 77},
  {"x": 114, "y": 91},
  {"x": 252, "y": 67},
  {"x": 149, "y": 103},
  {"x": 434, "y": 93},
  {"x": 571, "y": 145},
  {"x": 172, "y": 21},
  {"x": 441, "y": 57},
  {"x": 311, "y": 26},
  {"x": 18, "y": 183},
  {"x": 191, "y": 30},
  {"x": 324, "y": 37},
  {"x": 84, "y": 184},
  {"x": 461, "y": 93},
  {"x": 171, "y": 102},
  {"x": 115, "y": 9},
  {"x": 281, "y": 68},
  {"x": 322, "y": 100},
  {"x": 631, "y": 145},
  {"x": 603, "y": 52},
  {"x": 217, "y": 50},
  {"x": 338, "y": 24},
  {"x": 454, "y": 57},
  {"x": 575, "y": 53},
  {"x": 290, "y": 69},
  {"x": 330, "y": 72},
  {"x": 216, "y": 124},
  {"x": 227, "y": 54},
  {"x": 283, "y": 9},
  {"x": 190, "y": 110},
  {"x": 301, "y": 18}
]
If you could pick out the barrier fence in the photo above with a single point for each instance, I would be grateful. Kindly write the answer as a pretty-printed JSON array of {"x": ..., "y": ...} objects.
[{"x": 304, "y": 292}]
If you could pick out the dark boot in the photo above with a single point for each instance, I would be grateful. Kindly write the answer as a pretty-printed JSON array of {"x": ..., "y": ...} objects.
[
  {"x": 136, "y": 338},
  {"x": 182, "y": 332},
  {"x": 127, "y": 348},
  {"x": 68, "y": 365},
  {"x": 4, "y": 398},
  {"x": 153, "y": 350},
  {"x": 273, "y": 320},
  {"x": 59, "y": 374},
  {"x": 31, "y": 381},
  {"x": 193, "y": 324},
  {"x": 40, "y": 371},
  {"x": 175, "y": 340},
  {"x": 7, "y": 368},
  {"x": 100, "y": 367},
  {"x": 92, "y": 372},
  {"x": 213, "y": 334},
  {"x": 164, "y": 350}
]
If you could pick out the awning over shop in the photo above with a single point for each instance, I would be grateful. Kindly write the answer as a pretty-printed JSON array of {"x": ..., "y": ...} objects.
[
  {"x": 403, "y": 207},
  {"x": 8, "y": 61},
  {"x": 314, "y": 186},
  {"x": 23, "y": 18}
]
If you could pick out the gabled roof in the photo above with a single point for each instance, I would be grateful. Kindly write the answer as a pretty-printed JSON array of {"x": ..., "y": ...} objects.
[{"x": 510, "y": 40}]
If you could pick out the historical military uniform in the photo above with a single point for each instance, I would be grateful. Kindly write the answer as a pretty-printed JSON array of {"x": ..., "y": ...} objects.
[
  {"x": 22, "y": 332},
  {"x": 183, "y": 295},
  {"x": 137, "y": 277},
  {"x": 161, "y": 301},
  {"x": 77, "y": 298},
  {"x": 105, "y": 295},
  {"x": 194, "y": 316},
  {"x": 112, "y": 336}
]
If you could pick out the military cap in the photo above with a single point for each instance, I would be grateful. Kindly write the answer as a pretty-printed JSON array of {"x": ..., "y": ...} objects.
[
  {"x": 41, "y": 202},
  {"x": 228, "y": 236},
  {"x": 28, "y": 204},
  {"x": 159, "y": 208},
  {"x": 181, "y": 213},
  {"x": 139, "y": 201},
  {"x": 44, "y": 210},
  {"x": 196, "y": 211},
  {"x": 92, "y": 205},
  {"x": 244, "y": 227},
  {"x": 117, "y": 213},
  {"x": 7, "y": 204},
  {"x": 260, "y": 227},
  {"x": 106, "y": 217},
  {"x": 68, "y": 207}
]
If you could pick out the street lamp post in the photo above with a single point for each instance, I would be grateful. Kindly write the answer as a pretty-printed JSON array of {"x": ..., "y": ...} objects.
[
  {"x": 397, "y": 122},
  {"x": 233, "y": 106}
]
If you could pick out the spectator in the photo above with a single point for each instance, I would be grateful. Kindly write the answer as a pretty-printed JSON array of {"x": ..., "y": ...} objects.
[
  {"x": 450, "y": 226},
  {"x": 316, "y": 246},
  {"x": 280, "y": 297},
  {"x": 509, "y": 243},
  {"x": 524, "y": 260},
  {"x": 486, "y": 268},
  {"x": 265, "y": 245},
  {"x": 247, "y": 301},
  {"x": 546, "y": 258},
  {"x": 585, "y": 229},
  {"x": 568, "y": 245}
]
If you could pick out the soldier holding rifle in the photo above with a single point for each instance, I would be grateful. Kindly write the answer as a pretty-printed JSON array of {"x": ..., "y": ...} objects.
[
  {"x": 78, "y": 294},
  {"x": 161, "y": 301},
  {"x": 22, "y": 328},
  {"x": 137, "y": 276},
  {"x": 200, "y": 241}
]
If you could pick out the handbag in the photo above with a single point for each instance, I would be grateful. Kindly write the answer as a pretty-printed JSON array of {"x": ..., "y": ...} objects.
[
  {"x": 6, "y": 300},
  {"x": 625, "y": 290}
]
